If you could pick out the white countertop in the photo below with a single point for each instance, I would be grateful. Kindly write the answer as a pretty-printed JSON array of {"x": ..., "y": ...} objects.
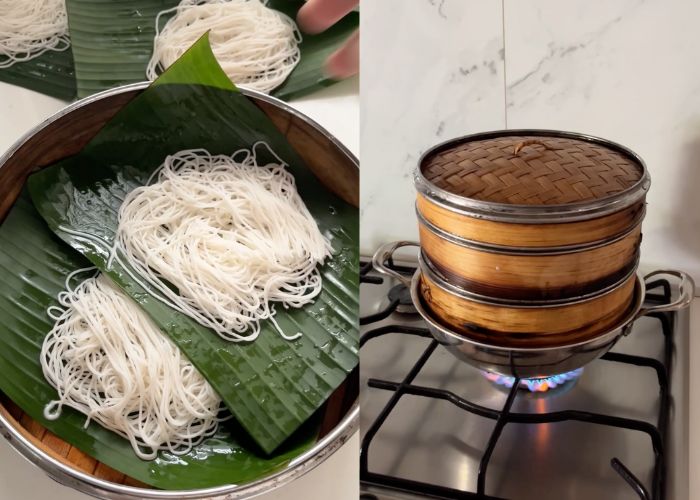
[{"x": 335, "y": 108}]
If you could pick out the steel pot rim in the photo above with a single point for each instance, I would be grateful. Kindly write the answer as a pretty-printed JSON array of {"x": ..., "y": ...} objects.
[
  {"x": 533, "y": 214},
  {"x": 81, "y": 481}
]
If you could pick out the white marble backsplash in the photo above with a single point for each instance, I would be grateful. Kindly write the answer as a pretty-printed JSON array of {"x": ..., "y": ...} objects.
[
  {"x": 621, "y": 70},
  {"x": 431, "y": 70}
]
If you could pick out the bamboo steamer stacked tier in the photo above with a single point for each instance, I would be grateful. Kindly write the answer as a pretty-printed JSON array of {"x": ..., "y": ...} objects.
[{"x": 530, "y": 237}]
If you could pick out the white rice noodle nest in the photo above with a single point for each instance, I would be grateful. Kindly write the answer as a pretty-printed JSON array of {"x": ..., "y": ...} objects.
[
  {"x": 28, "y": 28},
  {"x": 256, "y": 46},
  {"x": 222, "y": 239},
  {"x": 109, "y": 361}
]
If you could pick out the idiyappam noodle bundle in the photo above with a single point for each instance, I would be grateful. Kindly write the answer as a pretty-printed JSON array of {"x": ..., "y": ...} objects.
[
  {"x": 256, "y": 46},
  {"x": 28, "y": 28},
  {"x": 107, "y": 359},
  {"x": 222, "y": 239}
]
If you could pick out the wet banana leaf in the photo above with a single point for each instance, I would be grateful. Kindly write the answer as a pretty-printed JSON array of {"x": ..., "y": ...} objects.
[
  {"x": 51, "y": 73},
  {"x": 34, "y": 264},
  {"x": 113, "y": 42},
  {"x": 272, "y": 386}
]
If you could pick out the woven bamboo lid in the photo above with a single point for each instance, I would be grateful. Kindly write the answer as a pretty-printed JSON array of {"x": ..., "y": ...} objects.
[{"x": 523, "y": 172}]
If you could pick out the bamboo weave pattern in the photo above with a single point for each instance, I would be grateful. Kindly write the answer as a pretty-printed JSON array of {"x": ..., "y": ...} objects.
[{"x": 558, "y": 171}]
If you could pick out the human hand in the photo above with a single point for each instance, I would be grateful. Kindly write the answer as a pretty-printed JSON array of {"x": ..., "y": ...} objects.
[{"x": 316, "y": 16}]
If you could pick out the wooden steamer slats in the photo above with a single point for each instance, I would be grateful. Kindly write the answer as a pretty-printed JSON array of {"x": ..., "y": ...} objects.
[
  {"x": 337, "y": 406},
  {"x": 58, "y": 449}
]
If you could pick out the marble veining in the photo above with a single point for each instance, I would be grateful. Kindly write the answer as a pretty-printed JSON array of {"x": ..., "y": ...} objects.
[
  {"x": 619, "y": 70},
  {"x": 440, "y": 5}
]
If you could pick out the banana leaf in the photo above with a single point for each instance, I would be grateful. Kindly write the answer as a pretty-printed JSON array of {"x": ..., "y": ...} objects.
[
  {"x": 113, "y": 42},
  {"x": 272, "y": 386},
  {"x": 34, "y": 264},
  {"x": 51, "y": 73}
]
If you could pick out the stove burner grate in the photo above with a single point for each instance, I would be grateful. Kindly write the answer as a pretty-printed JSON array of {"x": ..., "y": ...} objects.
[
  {"x": 402, "y": 295},
  {"x": 399, "y": 295},
  {"x": 504, "y": 416}
]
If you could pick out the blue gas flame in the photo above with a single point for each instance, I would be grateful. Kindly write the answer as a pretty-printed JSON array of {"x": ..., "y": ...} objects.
[{"x": 537, "y": 384}]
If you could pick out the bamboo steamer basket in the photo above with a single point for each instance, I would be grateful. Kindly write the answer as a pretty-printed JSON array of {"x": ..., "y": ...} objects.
[
  {"x": 545, "y": 355},
  {"x": 531, "y": 214},
  {"x": 524, "y": 323},
  {"x": 65, "y": 134}
]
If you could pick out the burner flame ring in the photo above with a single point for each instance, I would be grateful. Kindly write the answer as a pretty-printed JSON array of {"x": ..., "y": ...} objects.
[{"x": 535, "y": 384}]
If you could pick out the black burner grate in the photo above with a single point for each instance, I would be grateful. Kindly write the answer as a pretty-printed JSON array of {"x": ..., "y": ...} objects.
[{"x": 505, "y": 416}]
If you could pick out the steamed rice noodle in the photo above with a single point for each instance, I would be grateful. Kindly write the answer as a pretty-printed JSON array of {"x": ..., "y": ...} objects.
[
  {"x": 28, "y": 28},
  {"x": 109, "y": 361},
  {"x": 256, "y": 46}
]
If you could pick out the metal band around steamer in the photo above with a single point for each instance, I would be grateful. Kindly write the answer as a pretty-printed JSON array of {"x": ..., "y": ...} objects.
[
  {"x": 532, "y": 214},
  {"x": 528, "y": 251},
  {"x": 439, "y": 279}
]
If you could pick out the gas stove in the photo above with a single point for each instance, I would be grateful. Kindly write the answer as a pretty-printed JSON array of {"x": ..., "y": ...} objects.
[{"x": 433, "y": 426}]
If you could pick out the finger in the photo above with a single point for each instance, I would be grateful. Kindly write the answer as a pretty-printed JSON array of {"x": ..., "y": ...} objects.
[
  {"x": 345, "y": 62},
  {"x": 318, "y": 15}
]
